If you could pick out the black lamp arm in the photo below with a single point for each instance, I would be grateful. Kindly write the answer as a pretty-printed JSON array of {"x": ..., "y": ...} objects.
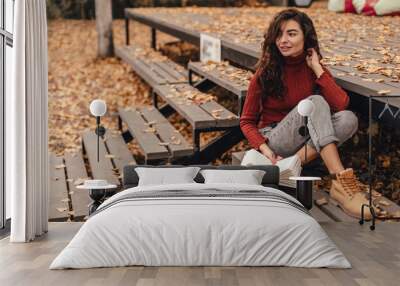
[{"x": 100, "y": 131}]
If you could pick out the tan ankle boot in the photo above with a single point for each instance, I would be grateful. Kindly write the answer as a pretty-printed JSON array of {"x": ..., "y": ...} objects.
[{"x": 346, "y": 191}]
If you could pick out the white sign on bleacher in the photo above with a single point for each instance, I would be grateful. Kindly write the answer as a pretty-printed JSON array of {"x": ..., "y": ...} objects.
[{"x": 210, "y": 48}]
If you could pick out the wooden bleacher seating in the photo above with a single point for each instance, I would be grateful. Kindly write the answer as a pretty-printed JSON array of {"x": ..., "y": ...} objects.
[
  {"x": 223, "y": 74},
  {"x": 157, "y": 138},
  {"x": 150, "y": 65}
]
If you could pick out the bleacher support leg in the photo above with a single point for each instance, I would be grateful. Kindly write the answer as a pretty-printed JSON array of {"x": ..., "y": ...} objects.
[
  {"x": 119, "y": 123},
  {"x": 196, "y": 145},
  {"x": 190, "y": 77},
  {"x": 240, "y": 103},
  {"x": 155, "y": 99},
  {"x": 153, "y": 38},
  {"x": 127, "y": 31}
]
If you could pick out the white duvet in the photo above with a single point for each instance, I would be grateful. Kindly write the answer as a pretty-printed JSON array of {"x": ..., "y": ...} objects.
[{"x": 185, "y": 231}]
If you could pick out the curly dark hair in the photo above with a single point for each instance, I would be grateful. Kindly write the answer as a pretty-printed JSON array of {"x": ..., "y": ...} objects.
[{"x": 270, "y": 64}]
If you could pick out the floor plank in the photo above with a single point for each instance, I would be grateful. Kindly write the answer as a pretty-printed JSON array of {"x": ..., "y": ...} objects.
[
  {"x": 331, "y": 209},
  {"x": 374, "y": 255}
]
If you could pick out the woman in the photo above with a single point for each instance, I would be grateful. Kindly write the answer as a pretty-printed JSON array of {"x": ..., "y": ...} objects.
[{"x": 288, "y": 71}]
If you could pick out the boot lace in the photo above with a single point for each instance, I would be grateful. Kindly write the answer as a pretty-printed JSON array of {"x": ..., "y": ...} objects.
[{"x": 350, "y": 185}]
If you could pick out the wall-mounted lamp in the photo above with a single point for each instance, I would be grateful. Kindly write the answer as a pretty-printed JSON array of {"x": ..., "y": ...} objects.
[
  {"x": 305, "y": 108},
  {"x": 98, "y": 108}
]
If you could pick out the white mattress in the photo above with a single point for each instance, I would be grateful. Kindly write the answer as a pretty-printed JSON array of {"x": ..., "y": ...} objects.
[{"x": 206, "y": 231}]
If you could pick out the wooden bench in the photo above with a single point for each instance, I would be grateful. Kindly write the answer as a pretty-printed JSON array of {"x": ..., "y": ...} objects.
[
  {"x": 196, "y": 107},
  {"x": 158, "y": 139},
  {"x": 223, "y": 74},
  {"x": 357, "y": 70},
  {"x": 67, "y": 202},
  {"x": 68, "y": 171},
  {"x": 114, "y": 155},
  {"x": 245, "y": 51},
  {"x": 204, "y": 115},
  {"x": 153, "y": 67}
]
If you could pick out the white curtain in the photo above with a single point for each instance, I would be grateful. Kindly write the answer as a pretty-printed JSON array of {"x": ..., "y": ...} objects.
[{"x": 27, "y": 124}]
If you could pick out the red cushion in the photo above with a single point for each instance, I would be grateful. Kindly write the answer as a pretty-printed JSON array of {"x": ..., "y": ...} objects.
[
  {"x": 377, "y": 7},
  {"x": 349, "y": 7}
]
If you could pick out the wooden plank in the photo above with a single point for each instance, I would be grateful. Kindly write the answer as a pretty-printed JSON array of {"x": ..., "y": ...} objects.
[
  {"x": 394, "y": 86},
  {"x": 162, "y": 72},
  {"x": 331, "y": 209},
  {"x": 353, "y": 47},
  {"x": 152, "y": 69},
  {"x": 178, "y": 146},
  {"x": 354, "y": 58},
  {"x": 386, "y": 205},
  {"x": 148, "y": 73},
  {"x": 359, "y": 86},
  {"x": 365, "y": 86},
  {"x": 148, "y": 141},
  {"x": 370, "y": 47},
  {"x": 77, "y": 173},
  {"x": 194, "y": 114},
  {"x": 103, "y": 169},
  {"x": 151, "y": 114},
  {"x": 221, "y": 79},
  {"x": 374, "y": 258},
  {"x": 58, "y": 199},
  {"x": 224, "y": 117},
  {"x": 386, "y": 84},
  {"x": 244, "y": 52},
  {"x": 319, "y": 215},
  {"x": 119, "y": 150},
  {"x": 141, "y": 68},
  {"x": 180, "y": 74},
  {"x": 144, "y": 70}
]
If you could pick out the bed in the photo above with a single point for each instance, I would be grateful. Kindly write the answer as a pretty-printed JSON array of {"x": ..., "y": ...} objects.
[{"x": 201, "y": 224}]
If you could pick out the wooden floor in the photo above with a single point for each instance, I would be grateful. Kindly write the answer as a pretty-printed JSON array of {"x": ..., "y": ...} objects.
[{"x": 375, "y": 257}]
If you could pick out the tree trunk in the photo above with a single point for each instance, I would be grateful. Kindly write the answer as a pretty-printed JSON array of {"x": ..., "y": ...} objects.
[{"x": 105, "y": 46}]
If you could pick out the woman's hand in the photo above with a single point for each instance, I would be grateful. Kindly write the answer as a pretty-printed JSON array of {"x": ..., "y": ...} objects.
[
  {"x": 267, "y": 152},
  {"x": 313, "y": 62}
]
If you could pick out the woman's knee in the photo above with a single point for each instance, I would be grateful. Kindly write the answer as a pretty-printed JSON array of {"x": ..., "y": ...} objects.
[
  {"x": 347, "y": 124},
  {"x": 318, "y": 101}
]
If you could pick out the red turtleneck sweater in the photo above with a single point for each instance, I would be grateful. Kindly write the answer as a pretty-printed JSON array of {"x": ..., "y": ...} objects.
[{"x": 300, "y": 81}]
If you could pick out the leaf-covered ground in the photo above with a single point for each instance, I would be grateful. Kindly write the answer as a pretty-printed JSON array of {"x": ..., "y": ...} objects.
[{"x": 76, "y": 77}]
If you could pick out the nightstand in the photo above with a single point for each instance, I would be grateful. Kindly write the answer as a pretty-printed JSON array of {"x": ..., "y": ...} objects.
[
  {"x": 98, "y": 191},
  {"x": 304, "y": 190}
]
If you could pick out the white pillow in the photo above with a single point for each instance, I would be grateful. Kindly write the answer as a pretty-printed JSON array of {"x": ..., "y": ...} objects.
[
  {"x": 336, "y": 5},
  {"x": 248, "y": 177},
  {"x": 164, "y": 176}
]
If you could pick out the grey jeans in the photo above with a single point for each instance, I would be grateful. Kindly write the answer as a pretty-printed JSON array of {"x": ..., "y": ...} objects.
[{"x": 324, "y": 128}]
